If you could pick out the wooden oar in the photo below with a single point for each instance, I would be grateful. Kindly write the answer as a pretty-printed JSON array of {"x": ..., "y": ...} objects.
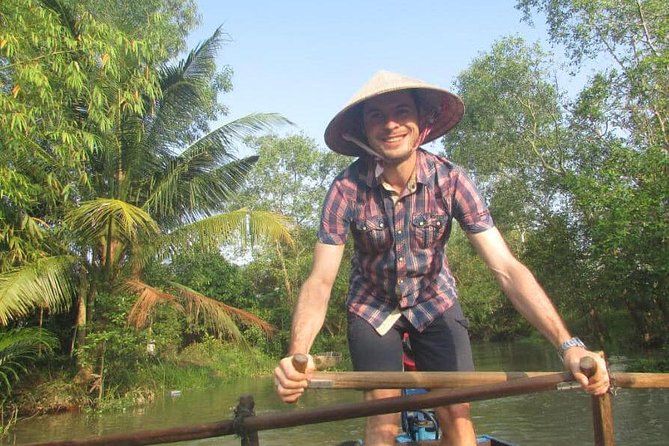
[
  {"x": 445, "y": 380},
  {"x": 332, "y": 413},
  {"x": 405, "y": 380}
]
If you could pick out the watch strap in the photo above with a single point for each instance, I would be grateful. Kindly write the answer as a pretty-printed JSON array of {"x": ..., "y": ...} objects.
[{"x": 569, "y": 343}]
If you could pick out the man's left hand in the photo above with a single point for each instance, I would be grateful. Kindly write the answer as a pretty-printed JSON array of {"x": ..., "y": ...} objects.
[{"x": 597, "y": 384}]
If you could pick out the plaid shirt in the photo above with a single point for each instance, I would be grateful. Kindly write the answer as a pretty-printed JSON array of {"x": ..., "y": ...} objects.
[{"x": 400, "y": 258}]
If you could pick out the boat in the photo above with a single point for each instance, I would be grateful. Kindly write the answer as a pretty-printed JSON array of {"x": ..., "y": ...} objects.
[
  {"x": 481, "y": 440},
  {"x": 421, "y": 428}
]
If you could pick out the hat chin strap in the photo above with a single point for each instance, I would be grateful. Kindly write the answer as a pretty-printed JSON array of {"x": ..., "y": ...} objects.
[{"x": 350, "y": 138}]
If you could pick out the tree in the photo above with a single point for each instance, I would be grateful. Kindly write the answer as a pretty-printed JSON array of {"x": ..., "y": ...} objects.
[
  {"x": 63, "y": 77},
  {"x": 620, "y": 121},
  {"x": 291, "y": 177},
  {"x": 163, "y": 197},
  {"x": 173, "y": 20},
  {"x": 153, "y": 181},
  {"x": 570, "y": 180},
  {"x": 634, "y": 35},
  {"x": 512, "y": 138}
]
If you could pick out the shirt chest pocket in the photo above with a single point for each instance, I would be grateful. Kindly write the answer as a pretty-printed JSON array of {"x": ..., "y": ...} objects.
[
  {"x": 428, "y": 229},
  {"x": 372, "y": 234}
]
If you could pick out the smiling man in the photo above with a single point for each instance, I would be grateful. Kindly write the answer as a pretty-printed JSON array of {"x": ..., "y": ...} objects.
[{"x": 399, "y": 202}]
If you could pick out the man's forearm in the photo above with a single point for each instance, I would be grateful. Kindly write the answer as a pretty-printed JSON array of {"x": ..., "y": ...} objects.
[
  {"x": 308, "y": 317},
  {"x": 531, "y": 301}
]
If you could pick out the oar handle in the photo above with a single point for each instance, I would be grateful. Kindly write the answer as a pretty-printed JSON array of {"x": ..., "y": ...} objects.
[
  {"x": 588, "y": 366},
  {"x": 300, "y": 361}
]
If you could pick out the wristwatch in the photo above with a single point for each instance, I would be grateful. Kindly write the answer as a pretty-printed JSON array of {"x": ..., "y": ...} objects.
[{"x": 569, "y": 343}]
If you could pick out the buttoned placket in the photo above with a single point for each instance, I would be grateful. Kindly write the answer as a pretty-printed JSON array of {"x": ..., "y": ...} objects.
[{"x": 396, "y": 206}]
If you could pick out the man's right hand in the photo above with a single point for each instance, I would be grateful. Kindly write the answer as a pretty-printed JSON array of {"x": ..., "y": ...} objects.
[{"x": 288, "y": 382}]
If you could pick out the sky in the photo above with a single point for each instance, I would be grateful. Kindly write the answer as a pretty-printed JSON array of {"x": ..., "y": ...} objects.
[{"x": 305, "y": 59}]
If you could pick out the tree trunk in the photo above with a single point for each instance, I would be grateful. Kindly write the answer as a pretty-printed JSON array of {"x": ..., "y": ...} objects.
[
  {"x": 79, "y": 334},
  {"x": 639, "y": 321},
  {"x": 286, "y": 280},
  {"x": 598, "y": 328}
]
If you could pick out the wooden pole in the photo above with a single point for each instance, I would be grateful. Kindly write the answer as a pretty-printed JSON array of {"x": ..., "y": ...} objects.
[
  {"x": 640, "y": 380},
  {"x": 300, "y": 362},
  {"x": 448, "y": 380},
  {"x": 602, "y": 415},
  {"x": 408, "y": 380}
]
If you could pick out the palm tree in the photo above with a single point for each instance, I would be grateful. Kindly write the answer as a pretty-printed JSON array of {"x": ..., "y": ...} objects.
[{"x": 159, "y": 184}]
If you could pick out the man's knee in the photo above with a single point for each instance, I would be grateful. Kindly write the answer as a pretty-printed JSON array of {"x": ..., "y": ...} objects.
[
  {"x": 450, "y": 414},
  {"x": 382, "y": 429},
  {"x": 381, "y": 393}
]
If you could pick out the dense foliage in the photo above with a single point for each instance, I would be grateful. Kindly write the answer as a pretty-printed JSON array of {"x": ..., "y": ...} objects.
[
  {"x": 580, "y": 184},
  {"x": 108, "y": 165}
]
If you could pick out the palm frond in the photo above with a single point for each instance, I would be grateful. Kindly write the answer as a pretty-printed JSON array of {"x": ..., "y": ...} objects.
[
  {"x": 198, "y": 178},
  {"x": 91, "y": 220},
  {"x": 148, "y": 298},
  {"x": 217, "y": 315},
  {"x": 18, "y": 348},
  {"x": 184, "y": 86},
  {"x": 221, "y": 143},
  {"x": 215, "y": 189},
  {"x": 196, "y": 64},
  {"x": 192, "y": 189},
  {"x": 45, "y": 283},
  {"x": 246, "y": 226}
]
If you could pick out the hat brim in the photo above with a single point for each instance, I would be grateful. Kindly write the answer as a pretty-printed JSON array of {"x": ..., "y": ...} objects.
[{"x": 349, "y": 120}]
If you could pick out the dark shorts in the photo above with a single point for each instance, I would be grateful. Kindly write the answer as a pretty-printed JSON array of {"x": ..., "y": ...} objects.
[{"x": 442, "y": 346}]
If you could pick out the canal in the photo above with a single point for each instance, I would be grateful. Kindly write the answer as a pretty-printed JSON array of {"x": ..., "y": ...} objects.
[{"x": 549, "y": 418}]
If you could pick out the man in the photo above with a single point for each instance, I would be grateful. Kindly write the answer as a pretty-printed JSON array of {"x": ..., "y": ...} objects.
[{"x": 399, "y": 201}]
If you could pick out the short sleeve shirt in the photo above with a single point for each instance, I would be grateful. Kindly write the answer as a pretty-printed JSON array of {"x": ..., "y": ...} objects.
[{"x": 399, "y": 256}]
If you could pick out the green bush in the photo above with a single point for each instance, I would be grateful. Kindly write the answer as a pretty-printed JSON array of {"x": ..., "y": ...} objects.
[{"x": 227, "y": 360}]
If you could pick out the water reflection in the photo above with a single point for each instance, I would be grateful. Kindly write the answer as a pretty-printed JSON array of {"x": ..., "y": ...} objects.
[{"x": 549, "y": 418}]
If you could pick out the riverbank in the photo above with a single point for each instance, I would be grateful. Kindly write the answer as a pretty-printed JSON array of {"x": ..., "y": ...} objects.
[{"x": 60, "y": 387}]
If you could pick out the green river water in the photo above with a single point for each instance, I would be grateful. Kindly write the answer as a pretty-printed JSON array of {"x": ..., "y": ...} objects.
[{"x": 548, "y": 418}]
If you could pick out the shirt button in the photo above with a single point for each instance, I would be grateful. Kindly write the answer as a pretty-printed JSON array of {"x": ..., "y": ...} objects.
[
  {"x": 401, "y": 281},
  {"x": 399, "y": 231},
  {"x": 380, "y": 225},
  {"x": 401, "y": 259}
]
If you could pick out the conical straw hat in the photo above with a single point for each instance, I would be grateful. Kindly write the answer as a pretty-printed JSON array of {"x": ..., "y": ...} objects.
[{"x": 442, "y": 108}]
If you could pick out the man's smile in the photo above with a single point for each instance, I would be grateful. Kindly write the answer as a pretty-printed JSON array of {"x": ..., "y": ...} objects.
[{"x": 392, "y": 139}]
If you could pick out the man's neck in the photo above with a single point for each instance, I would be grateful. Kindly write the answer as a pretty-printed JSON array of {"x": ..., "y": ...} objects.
[{"x": 398, "y": 175}]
